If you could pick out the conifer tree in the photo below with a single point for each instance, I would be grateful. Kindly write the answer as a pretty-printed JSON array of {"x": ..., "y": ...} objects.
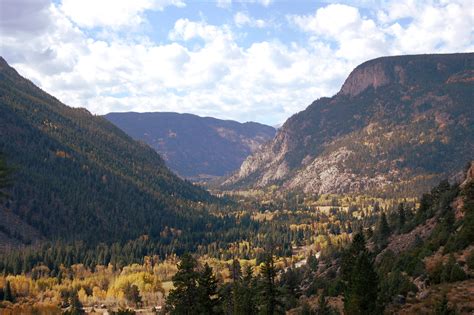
[
  {"x": 360, "y": 295},
  {"x": 323, "y": 307},
  {"x": 312, "y": 262},
  {"x": 183, "y": 298},
  {"x": 4, "y": 176},
  {"x": 383, "y": 230},
  {"x": 8, "y": 295},
  {"x": 401, "y": 216},
  {"x": 268, "y": 290},
  {"x": 236, "y": 270},
  {"x": 245, "y": 294},
  {"x": 207, "y": 291},
  {"x": 350, "y": 255}
]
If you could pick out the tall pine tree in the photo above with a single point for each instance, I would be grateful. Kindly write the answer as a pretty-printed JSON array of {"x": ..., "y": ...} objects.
[
  {"x": 183, "y": 299},
  {"x": 269, "y": 303},
  {"x": 207, "y": 292},
  {"x": 5, "y": 173},
  {"x": 361, "y": 282}
]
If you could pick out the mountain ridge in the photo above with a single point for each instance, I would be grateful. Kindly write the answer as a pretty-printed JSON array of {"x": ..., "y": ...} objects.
[
  {"x": 373, "y": 132},
  {"x": 63, "y": 155},
  {"x": 193, "y": 146}
]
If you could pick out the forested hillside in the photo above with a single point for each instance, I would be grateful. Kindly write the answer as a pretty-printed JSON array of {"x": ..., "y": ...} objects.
[
  {"x": 76, "y": 176},
  {"x": 195, "y": 147},
  {"x": 397, "y": 126}
]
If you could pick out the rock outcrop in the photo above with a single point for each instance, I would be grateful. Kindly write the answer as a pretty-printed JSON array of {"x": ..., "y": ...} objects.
[{"x": 398, "y": 126}]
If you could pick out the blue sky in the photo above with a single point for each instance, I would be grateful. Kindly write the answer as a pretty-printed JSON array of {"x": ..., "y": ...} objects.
[{"x": 255, "y": 60}]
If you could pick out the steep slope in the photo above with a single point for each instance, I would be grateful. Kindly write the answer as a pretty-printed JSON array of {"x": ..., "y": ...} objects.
[
  {"x": 193, "y": 146},
  {"x": 78, "y": 177},
  {"x": 397, "y": 126}
]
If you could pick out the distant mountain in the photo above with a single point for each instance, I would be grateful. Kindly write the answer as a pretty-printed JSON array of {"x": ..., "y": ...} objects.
[
  {"x": 195, "y": 147},
  {"x": 397, "y": 126},
  {"x": 78, "y": 177}
]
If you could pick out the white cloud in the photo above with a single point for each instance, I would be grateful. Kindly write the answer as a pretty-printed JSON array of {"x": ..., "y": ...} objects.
[
  {"x": 228, "y": 3},
  {"x": 224, "y": 3},
  {"x": 401, "y": 27},
  {"x": 112, "y": 13},
  {"x": 205, "y": 69},
  {"x": 242, "y": 19},
  {"x": 185, "y": 29}
]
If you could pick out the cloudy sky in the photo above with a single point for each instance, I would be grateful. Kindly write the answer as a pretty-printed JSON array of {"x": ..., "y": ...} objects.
[{"x": 259, "y": 60}]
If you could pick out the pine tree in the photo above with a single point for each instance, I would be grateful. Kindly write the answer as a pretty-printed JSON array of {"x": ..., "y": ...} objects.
[
  {"x": 8, "y": 295},
  {"x": 268, "y": 289},
  {"x": 183, "y": 298},
  {"x": 237, "y": 290},
  {"x": 360, "y": 295},
  {"x": 383, "y": 231},
  {"x": 323, "y": 307},
  {"x": 442, "y": 308},
  {"x": 350, "y": 255},
  {"x": 207, "y": 291},
  {"x": 312, "y": 262},
  {"x": 245, "y": 294},
  {"x": 236, "y": 270},
  {"x": 401, "y": 216},
  {"x": 4, "y": 176}
]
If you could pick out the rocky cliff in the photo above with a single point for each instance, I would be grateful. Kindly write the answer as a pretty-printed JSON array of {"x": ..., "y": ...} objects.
[{"x": 398, "y": 125}]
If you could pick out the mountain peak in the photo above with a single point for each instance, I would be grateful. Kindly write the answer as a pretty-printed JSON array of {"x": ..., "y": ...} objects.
[
  {"x": 398, "y": 125},
  {"x": 404, "y": 70}
]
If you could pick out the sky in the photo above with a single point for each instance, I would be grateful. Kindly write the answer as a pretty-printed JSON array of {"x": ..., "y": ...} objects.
[{"x": 252, "y": 60}]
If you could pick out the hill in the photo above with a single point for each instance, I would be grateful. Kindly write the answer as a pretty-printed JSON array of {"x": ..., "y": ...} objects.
[
  {"x": 78, "y": 177},
  {"x": 192, "y": 146},
  {"x": 398, "y": 125}
]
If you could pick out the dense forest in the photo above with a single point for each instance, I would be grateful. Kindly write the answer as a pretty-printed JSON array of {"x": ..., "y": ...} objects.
[
  {"x": 364, "y": 256},
  {"x": 93, "y": 221}
]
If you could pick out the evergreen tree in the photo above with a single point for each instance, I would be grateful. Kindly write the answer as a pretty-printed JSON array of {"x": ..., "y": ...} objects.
[
  {"x": 323, "y": 307},
  {"x": 236, "y": 270},
  {"x": 401, "y": 216},
  {"x": 237, "y": 290},
  {"x": 207, "y": 290},
  {"x": 4, "y": 176},
  {"x": 306, "y": 309},
  {"x": 8, "y": 295},
  {"x": 442, "y": 308},
  {"x": 312, "y": 262},
  {"x": 183, "y": 298},
  {"x": 360, "y": 295},
  {"x": 383, "y": 231},
  {"x": 350, "y": 255},
  {"x": 268, "y": 290},
  {"x": 245, "y": 294}
]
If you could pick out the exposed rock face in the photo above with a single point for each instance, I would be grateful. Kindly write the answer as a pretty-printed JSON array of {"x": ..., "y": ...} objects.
[
  {"x": 398, "y": 125},
  {"x": 364, "y": 76}
]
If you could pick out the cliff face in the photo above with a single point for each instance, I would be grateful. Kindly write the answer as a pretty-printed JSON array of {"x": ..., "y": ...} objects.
[
  {"x": 365, "y": 76},
  {"x": 398, "y": 125}
]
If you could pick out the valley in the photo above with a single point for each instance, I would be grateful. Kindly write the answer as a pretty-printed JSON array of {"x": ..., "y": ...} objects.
[{"x": 361, "y": 204}]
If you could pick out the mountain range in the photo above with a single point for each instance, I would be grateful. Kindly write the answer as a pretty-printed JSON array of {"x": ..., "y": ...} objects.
[
  {"x": 397, "y": 126},
  {"x": 195, "y": 147},
  {"x": 78, "y": 177}
]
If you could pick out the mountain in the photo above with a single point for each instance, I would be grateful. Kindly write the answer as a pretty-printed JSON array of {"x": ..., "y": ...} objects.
[
  {"x": 78, "y": 177},
  {"x": 192, "y": 146},
  {"x": 398, "y": 125}
]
